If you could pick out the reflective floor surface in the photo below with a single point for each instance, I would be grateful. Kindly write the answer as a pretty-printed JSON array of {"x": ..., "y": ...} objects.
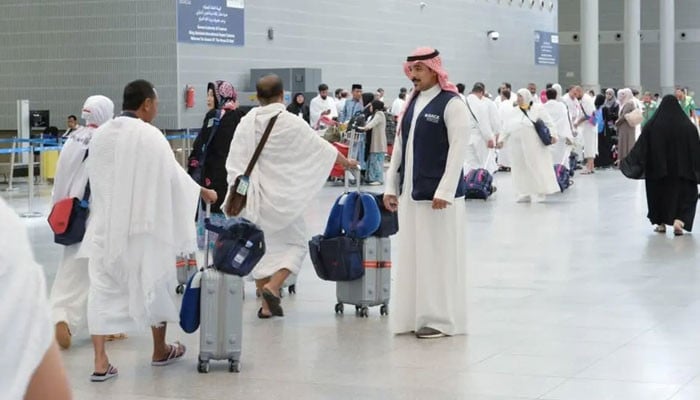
[{"x": 572, "y": 299}]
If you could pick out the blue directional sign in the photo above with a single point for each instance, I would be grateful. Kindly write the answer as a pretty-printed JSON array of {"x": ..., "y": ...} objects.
[
  {"x": 211, "y": 22},
  {"x": 546, "y": 48}
]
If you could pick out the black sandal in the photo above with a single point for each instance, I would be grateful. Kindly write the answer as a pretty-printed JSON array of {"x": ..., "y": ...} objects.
[
  {"x": 273, "y": 302},
  {"x": 263, "y": 316}
]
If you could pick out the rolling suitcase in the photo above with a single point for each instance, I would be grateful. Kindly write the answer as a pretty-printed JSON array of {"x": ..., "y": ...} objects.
[
  {"x": 186, "y": 266},
  {"x": 374, "y": 288},
  {"x": 221, "y": 316}
]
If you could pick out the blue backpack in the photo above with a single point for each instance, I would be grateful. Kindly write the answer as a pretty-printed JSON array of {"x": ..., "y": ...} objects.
[{"x": 479, "y": 184}]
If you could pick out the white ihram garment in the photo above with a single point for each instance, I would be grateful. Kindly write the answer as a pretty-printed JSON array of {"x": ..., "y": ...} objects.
[
  {"x": 589, "y": 132},
  {"x": 560, "y": 120},
  {"x": 70, "y": 286},
  {"x": 293, "y": 167},
  {"x": 482, "y": 130},
  {"x": 429, "y": 278},
  {"x": 531, "y": 160},
  {"x": 26, "y": 333},
  {"x": 142, "y": 215}
]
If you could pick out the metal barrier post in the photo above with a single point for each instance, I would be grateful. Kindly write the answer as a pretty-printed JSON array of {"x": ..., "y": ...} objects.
[
  {"x": 11, "y": 188},
  {"x": 30, "y": 179}
]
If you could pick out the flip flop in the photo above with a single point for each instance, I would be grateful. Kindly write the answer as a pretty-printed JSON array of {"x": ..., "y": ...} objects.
[
  {"x": 263, "y": 316},
  {"x": 659, "y": 229},
  {"x": 118, "y": 336},
  {"x": 109, "y": 374},
  {"x": 172, "y": 356},
  {"x": 273, "y": 303}
]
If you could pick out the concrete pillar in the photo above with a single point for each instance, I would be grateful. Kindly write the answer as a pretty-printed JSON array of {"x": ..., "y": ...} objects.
[
  {"x": 633, "y": 59},
  {"x": 667, "y": 45},
  {"x": 589, "y": 45}
]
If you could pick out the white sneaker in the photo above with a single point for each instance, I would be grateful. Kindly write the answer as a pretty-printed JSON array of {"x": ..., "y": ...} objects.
[{"x": 525, "y": 198}]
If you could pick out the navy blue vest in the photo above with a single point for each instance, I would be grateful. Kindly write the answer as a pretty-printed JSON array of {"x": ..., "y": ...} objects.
[{"x": 430, "y": 148}]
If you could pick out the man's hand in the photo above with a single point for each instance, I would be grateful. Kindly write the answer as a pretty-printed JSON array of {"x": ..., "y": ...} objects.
[
  {"x": 352, "y": 164},
  {"x": 491, "y": 144},
  {"x": 208, "y": 195},
  {"x": 391, "y": 202},
  {"x": 440, "y": 204}
]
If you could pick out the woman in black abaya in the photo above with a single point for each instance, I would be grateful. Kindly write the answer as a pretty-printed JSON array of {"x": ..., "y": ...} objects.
[{"x": 667, "y": 157}]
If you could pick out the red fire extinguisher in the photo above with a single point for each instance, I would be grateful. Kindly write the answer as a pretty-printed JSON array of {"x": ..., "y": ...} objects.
[{"x": 189, "y": 96}]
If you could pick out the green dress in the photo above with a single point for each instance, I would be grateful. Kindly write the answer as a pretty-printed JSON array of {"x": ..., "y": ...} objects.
[{"x": 648, "y": 110}]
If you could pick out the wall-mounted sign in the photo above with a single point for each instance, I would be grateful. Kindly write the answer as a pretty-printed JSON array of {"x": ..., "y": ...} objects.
[
  {"x": 546, "y": 48},
  {"x": 211, "y": 22}
]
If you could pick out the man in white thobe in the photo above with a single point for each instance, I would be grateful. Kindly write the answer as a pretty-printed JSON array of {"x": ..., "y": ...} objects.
[
  {"x": 142, "y": 214},
  {"x": 69, "y": 292},
  {"x": 322, "y": 105},
  {"x": 587, "y": 130},
  {"x": 560, "y": 120},
  {"x": 484, "y": 128},
  {"x": 276, "y": 201},
  {"x": 573, "y": 106},
  {"x": 505, "y": 106},
  {"x": 425, "y": 183}
]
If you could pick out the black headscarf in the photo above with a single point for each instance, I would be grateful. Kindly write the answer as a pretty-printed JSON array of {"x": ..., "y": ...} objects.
[
  {"x": 377, "y": 105},
  {"x": 296, "y": 108},
  {"x": 669, "y": 146},
  {"x": 599, "y": 100}
]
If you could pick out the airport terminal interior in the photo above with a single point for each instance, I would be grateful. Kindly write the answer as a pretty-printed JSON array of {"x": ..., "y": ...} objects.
[{"x": 573, "y": 296}]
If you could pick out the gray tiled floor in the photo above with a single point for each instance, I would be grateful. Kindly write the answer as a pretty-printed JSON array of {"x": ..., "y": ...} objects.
[{"x": 572, "y": 299}]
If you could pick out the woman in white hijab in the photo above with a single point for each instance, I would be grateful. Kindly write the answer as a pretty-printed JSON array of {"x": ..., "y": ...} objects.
[
  {"x": 531, "y": 160},
  {"x": 626, "y": 133},
  {"x": 70, "y": 288}
]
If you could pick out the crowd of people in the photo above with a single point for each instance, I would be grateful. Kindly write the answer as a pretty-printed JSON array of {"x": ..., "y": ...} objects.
[{"x": 143, "y": 205}]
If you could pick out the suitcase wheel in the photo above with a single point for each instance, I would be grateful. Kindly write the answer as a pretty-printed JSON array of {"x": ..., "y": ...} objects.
[
  {"x": 339, "y": 308},
  {"x": 364, "y": 312},
  {"x": 292, "y": 289},
  {"x": 234, "y": 366},
  {"x": 203, "y": 367},
  {"x": 180, "y": 289},
  {"x": 384, "y": 309}
]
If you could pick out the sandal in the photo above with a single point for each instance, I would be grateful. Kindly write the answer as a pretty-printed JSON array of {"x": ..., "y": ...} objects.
[
  {"x": 63, "y": 335},
  {"x": 109, "y": 374},
  {"x": 587, "y": 172},
  {"x": 118, "y": 336},
  {"x": 273, "y": 302},
  {"x": 678, "y": 226},
  {"x": 177, "y": 351},
  {"x": 660, "y": 229},
  {"x": 263, "y": 316}
]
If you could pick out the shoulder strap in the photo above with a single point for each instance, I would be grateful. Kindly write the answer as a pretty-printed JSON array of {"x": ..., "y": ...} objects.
[
  {"x": 526, "y": 115},
  {"x": 466, "y": 100},
  {"x": 86, "y": 194},
  {"x": 218, "y": 115},
  {"x": 260, "y": 146}
]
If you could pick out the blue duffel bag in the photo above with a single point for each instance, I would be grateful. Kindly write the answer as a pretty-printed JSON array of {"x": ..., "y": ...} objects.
[{"x": 239, "y": 246}]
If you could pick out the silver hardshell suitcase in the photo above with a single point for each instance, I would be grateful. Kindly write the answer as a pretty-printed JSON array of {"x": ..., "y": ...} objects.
[
  {"x": 374, "y": 288},
  {"x": 221, "y": 317},
  {"x": 186, "y": 266}
]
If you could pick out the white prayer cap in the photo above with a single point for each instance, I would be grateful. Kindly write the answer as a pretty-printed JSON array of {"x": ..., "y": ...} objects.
[
  {"x": 97, "y": 110},
  {"x": 526, "y": 95},
  {"x": 557, "y": 87}
]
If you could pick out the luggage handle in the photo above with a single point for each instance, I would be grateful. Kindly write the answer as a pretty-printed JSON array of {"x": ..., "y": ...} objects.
[
  {"x": 357, "y": 179},
  {"x": 207, "y": 229},
  {"x": 488, "y": 158}
]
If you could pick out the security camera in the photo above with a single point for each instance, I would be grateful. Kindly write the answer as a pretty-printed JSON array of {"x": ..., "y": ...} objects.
[{"x": 493, "y": 35}]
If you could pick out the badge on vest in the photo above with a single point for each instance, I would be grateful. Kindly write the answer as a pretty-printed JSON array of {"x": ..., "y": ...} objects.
[{"x": 434, "y": 118}]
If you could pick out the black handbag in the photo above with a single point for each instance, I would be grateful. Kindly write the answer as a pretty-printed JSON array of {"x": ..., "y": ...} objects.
[
  {"x": 337, "y": 259},
  {"x": 541, "y": 129}
]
